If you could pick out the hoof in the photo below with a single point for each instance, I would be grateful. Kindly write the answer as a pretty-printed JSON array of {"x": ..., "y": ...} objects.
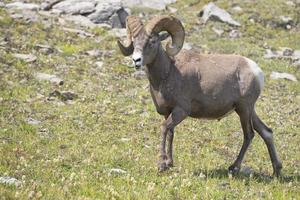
[
  {"x": 234, "y": 170},
  {"x": 162, "y": 167},
  {"x": 169, "y": 163},
  {"x": 277, "y": 170}
]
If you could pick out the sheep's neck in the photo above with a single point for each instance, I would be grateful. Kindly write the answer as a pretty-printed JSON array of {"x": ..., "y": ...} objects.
[{"x": 159, "y": 69}]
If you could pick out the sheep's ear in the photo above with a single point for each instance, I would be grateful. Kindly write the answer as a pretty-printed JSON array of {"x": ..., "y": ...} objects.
[{"x": 163, "y": 36}]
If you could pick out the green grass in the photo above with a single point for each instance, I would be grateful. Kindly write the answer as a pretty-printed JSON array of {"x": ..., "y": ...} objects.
[{"x": 113, "y": 122}]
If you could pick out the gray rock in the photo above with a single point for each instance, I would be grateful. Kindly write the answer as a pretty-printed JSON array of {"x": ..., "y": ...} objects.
[
  {"x": 79, "y": 32},
  {"x": 94, "y": 52},
  {"x": 117, "y": 171},
  {"x": 234, "y": 34},
  {"x": 218, "y": 31},
  {"x": 104, "y": 10},
  {"x": 10, "y": 181},
  {"x": 290, "y": 3},
  {"x": 46, "y": 49},
  {"x": 48, "y": 4},
  {"x": 62, "y": 95},
  {"x": 212, "y": 12},
  {"x": 246, "y": 171},
  {"x": 237, "y": 9},
  {"x": 171, "y": 9},
  {"x": 99, "y": 64},
  {"x": 187, "y": 46},
  {"x": 76, "y": 6},
  {"x": 153, "y": 4},
  {"x": 27, "y": 15},
  {"x": 118, "y": 32},
  {"x": 48, "y": 77},
  {"x": 80, "y": 20},
  {"x": 284, "y": 52},
  {"x": 110, "y": 12},
  {"x": 25, "y": 57},
  {"x": 32, "y": 121},
  {"x": 22, "y": 6},
  {"x": 139, "y": 74},
  {"x": 287, "y": 76}
]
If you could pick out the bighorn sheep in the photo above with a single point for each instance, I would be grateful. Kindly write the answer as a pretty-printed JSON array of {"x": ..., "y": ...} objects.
[{"x": 196, "y": 85}]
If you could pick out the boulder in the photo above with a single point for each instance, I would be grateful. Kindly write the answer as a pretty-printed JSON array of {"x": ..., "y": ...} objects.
[
  {"x": 213, "y": 12},
  {"x": 287, "y": 76},
  {"x": 22, "y": 6},
  {"x": 110, "y": 12},
  {"x": 153, "y": 4},
  {"x": 76, "y": 6}
]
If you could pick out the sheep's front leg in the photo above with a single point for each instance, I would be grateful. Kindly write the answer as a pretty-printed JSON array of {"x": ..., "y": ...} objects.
[
  {"x": 176, "y": 116},
  {"x": 170, "y": 137}
]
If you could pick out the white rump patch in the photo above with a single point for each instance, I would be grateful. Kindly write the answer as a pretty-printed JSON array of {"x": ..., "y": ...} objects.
[{"x": 258, "y": 73}]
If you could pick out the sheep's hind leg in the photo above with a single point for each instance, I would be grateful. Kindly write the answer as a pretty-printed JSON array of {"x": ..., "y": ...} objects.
[
  {"x": 245, "y": 119},
  {"x": 267, "y": 135},
  {"x": 176, "y": 116}
]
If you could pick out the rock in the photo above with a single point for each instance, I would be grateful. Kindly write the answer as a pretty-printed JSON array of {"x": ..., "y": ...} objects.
[
  {"x": 172, "y": 10},
  {"x": 237, "y": 9},
  {"x": 48, "y": 77},
  {"x": 110, "y": 12},
  {"x": 284, "y": 52},
  {"x": 94, "y": 52},
  {"x": 139, "y": 74},
  {"x": 118, "y": 20},
  {"x": 117, "y": 171},
  {"x": 75, "y": 6},
  {"x": 32, "y": 121},
  {"x": 27, "y": 15},
  {"x": 286, "y": 22},
  {"x": 46, "y": 49},
  {"x": 25, "y": 57},
  {"x": 2, "y": 4},
  {"x": 212, "y": 12},
  {"x": 297, "y": 65},
  {"x": 187, "y": 46},
  {"x": 10, "y": 181},
  {"x": 247, "y": 171},
  {"x": 22, "y": 6},
  {"x": 290, "y": 3},
  {"x": 63, "y": 95},
  {"x": 118, "y": 32},
  {"x": 287, "y": 51},
  {"x": 48, "y": 4},
  {"x": 153, "y": 4},
  {"x": 219, "y": 32},
  {"x": 99, "y": 64},
  {"x": 278, "y": 75},
  {"x": 79, "y": 20},
  {"x": 79, "y": 32},
  {"x": 234, "y": 34}
]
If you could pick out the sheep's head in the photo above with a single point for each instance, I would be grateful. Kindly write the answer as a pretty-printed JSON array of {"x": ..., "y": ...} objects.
[{"x": 143, "y": 42}]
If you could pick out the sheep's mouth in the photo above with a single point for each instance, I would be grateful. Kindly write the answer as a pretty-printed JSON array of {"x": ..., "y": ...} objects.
[{"x": 137, "y": 67}]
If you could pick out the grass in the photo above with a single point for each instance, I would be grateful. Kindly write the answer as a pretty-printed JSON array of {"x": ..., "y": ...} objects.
[{"x": 113, "y": 122}]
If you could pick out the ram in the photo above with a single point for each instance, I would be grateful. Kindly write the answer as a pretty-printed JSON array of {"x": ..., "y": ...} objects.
[{"x": 184, "y": 83}]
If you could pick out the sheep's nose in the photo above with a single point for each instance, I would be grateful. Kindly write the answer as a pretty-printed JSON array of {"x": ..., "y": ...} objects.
[{"x": 137, "y": 59}]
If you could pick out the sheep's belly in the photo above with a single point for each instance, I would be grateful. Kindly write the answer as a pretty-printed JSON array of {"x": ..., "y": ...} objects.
[{"x": 198, "y": 111}]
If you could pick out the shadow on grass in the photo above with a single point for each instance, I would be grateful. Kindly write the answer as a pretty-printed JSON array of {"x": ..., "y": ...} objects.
[{"x": 259, "y": 177}]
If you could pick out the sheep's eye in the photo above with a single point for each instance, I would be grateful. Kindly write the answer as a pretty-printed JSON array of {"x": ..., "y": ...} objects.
[{"x": 151, "y": 41}]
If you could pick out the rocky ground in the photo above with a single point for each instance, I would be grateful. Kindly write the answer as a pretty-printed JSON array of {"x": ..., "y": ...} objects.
[{"x": 77, "y": 121}]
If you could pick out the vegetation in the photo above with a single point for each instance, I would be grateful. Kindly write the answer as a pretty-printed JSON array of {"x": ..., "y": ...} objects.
[{"x": 112, "y": 124}]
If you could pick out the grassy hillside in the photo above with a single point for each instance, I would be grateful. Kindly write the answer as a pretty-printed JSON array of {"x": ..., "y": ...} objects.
[{"x": 112, "y": 123}]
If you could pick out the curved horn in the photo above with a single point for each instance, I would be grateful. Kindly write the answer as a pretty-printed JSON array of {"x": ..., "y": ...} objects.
[
  {"x": 173, "y": 26},
  {"x": 133, "y": 26}
]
